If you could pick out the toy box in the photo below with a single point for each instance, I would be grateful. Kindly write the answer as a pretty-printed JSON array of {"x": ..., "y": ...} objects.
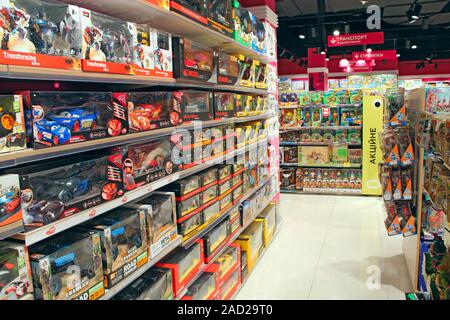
[
  {"x": 208, "y": 177},
  {"x": 10, "y": 210},
  {"x": 40, "y": 33},
  {"x": 315, "y": 155},
  {"x": 316, "y": 116},
  {"x": 185, "y": 187},
  {"x": 340, "y": 153},
  {"x": 269, "y": 220},
  {"x": 211, "y": 212},
  {"x": 161, "y": 221},
  {"x": 155, "y": 284},
  {"x": 208, "y": 194},
  {"x": 251, "y": 241},
  {"x": 196, "y": 10},
  {"x": 152, "y": 110},
  {"x": 188, "y": 205},
  {"x": 260, "y": 74},
  {"x": 258, "y": 38},
  {"x": 224, "y": 105},
  {"x": 193, "y": 61},
  {"x": 271, "y": 42},
  {"x": 15, "y": 272},
  {"x": 224, "y": 187},
  {"x": 220, "y": 16},
  {"x": 107, "y": 43},
  {"x": 190, "y": 224},
  {"x": 226, "y": 263},
  {"x": 224, "y": 172},
  {"x": 237, "y": 179},
  {"x": 237, "y": 193},
  {"x": 204, "y": 288},
  {"x": 246, "y": 72},
  {"x": 68, "y": 267},
  {"x": 437, "y": 100},
  {"x": 351, "y": 116},
  {"x": 230, "y": 287},
  {"x": 185, "y": 264},
  {"x": 242, "y": 22},
  {"x": 123, "y": 234},
  {"x": 235, "y": 225},
  {"x": 152, "y": 52},
  {"x": 195, "y": 105},
  {"x": 215, "y": 239},
  {"x": 58, "y": 189},
  {"x": 148, "y": 162},
  {"x": 57, "y": 118},
  {"x": 12, "y": 124},
  {"x": 228, "y": 69}
]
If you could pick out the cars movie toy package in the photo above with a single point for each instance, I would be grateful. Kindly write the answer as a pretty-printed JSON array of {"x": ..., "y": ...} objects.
[
  {"x": 15, "y": 272},
  {"x": 10, "y": 208},
  {"x": 107, "y": 43},
  {"x": 242, "y": 21},
  {"x": 224, "y": 105},
  {"x": 58, "y": 189},
  {"x": 195, "y": 105},
  {"x": 152, "y": 52},
  {"x": 196, "y": 10},
  {"x": 193, "y": 61},
  {"x": 148, "y": 162},
  {"x": 228, "y": 69},
  {"x": 12, "y": 124},
  {"x": 123, "y": 237},
  {"x": 68, "y": 267},
  {"x": 40, "y": 33},
  {"x": 152, "y": 110},
  {"x": 57, "y": 118},
  {"x": 155, "y": 284},
  {"x": 220, "y": 16}
]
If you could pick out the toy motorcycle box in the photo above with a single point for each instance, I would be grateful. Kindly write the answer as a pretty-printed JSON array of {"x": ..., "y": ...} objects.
[
  {"x": 107, "y": 43},
  {"x": 152, "y": 110},
  {"x": 152, "y": 52},
  {"x": 193, "y": 61},
  {"x": 10, "y": 209},
  {"x": 220, "y": 16},
  {"x": 215, "y": 239},
  {"x": 185, "y": 264},
  {"x": 226, "y": 263},
  {"x": 204, "y": 288},
  {"x": 242, "y": 21},
  {"x": 15, "y": 272},
  {"x": 211, "y": 212},
  {"x": 190, "y": 225},
  {"x": 224, "y": 104},
  {"x": 189, "y": 206},
  {"x": 195, "y": 105},
  {"x": 196, "y": 10},
  {"x": 228, "y": 69},
  {"x": 161, "y": 220},
  {"x": 246, "y": 72},
  {"x": 12, "y": 124},
  {"x": 123, "y": 237},
  {"x": 68, "y": 267},
  {"x": 148, "y": 162},
  {"x": 40, "y": 33},
  {"x": 58, "y": 189},
  {"x": 260, "y": 74},
  {"x": 57, "y": 118},
  {"x": 258, "y": 38},
  {"x": 155, "y": 284}
]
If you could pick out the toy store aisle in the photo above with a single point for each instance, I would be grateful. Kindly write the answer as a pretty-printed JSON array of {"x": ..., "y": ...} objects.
[{"x": 330, "y": 247}]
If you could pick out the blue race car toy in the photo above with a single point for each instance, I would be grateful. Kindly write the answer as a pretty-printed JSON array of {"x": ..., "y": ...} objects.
[
  {"x": 52, "y": 132},
  {"x": 76, "y": 119}
]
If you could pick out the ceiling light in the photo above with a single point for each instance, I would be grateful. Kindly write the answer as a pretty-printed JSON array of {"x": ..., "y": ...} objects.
[
  {"x": 412, "y": 21},
  {"x": 323, "y": 52},
  {"x": 417, "y": 8},
  {"x": 398, "y": 55},
  {"x": 414, "y": 46},
  {"x": 364, "y": 2},
  {"x": 328, "y": 59},
  {"x": 336, "y": 32},
  {"x": 302, "y": 36},
  {"x": 369, "y": 50},
  {"x": 344, "y": 63}
]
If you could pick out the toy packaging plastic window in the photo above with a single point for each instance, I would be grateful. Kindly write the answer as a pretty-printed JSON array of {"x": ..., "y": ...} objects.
[
  {"x": 12, "y": 124},
  {"x": 203, "y": 288},
  {"x": 228, "y": 69},
  {"x": 215, "y": 238},
  {"x": 230, "y": 284},
  {"x": 242, "y": 20},
  {"x": 211, "y": 212},
  {"x": 189, "y": 226},
  {"x": 224, "y": 105},
  {"x": 194, "y": 9},
  {"x": 220, "y": 16},
  {"x": 11, "y": 211}
]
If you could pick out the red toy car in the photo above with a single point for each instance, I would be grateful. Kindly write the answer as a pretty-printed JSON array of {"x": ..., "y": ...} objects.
[{"x": 143, "y": 115}]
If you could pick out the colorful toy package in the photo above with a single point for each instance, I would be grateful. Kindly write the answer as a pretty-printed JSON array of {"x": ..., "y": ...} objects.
[
  {"x": 437, "y": 100},
  {"x": 242, "y": 20},
  {"x": 12, "y": 124}
]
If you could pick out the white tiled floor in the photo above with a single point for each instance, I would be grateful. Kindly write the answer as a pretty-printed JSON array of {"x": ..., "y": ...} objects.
[{"x": 330, "y": 247}]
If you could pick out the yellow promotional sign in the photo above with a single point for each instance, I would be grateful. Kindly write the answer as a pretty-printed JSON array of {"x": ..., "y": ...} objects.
[{"x": 373, "y": 107}]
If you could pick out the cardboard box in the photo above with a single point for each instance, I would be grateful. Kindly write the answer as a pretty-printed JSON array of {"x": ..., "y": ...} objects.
[
  {"x": 12, "y": 124},
  {"x": 196, "y": 10},
  {"x": 220, "y": 16},
  {"x": 269, "y": 220},
  {"x": 10, "y": 211},
  {"x": 228, "y": 69}
]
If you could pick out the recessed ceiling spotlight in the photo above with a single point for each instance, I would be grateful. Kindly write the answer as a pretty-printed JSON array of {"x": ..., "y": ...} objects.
[
  {"x": 398, "y": 55},
  {"x": 336, "y": 32},
  {"x": 416, "y": 10},
  {"x": 414, "y": 46},
  {"x": 302, "y": 36},
  {"x": 364, "y": 2},
  {"x": 322, "y": 52}
]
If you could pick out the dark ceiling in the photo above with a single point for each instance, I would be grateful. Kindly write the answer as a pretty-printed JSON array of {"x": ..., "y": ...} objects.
[{"x": 316, "y": 19}]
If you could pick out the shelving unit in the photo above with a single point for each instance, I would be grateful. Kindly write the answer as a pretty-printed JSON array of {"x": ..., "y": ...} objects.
[
  {"x": 331, "y": 165},
  {"x": 322, "y": 128}
]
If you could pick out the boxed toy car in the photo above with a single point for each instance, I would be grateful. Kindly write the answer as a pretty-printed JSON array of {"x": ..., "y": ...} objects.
[
  {"x": 190, "y": 224},
  {"x": 224, "y": 187},
  {"x": 58, "y": 189},
  {"x": 161, "y": 220},
  {"x": 155, "y": 284},
  {"x": 242, "y": 21},
  {"x": 228, "y": 69},
  {"x": 258, "y": 38},
  {"x": 214, "y": 239},
  {"x": 225, "y": 172},
  {"x": 186, "y": 186},
  {"x": 208, "y": 177},
  {"x": 251, "y": 241},
  {"x": 211, "y": 212},
  {"x": 148, "y": 162},
  {"x": 196, "y": 10},
  {"x": 260, "y": 74},
  {"x": 107, "y": 43},
  {"x": 230, "y": 287},
  {"x": 195, "y": 105},
  {"x": 123, "y": 234},
  {"x": 187, "y": 206},
  {"x": 15, "y": 272},
  {"x": 224, "y": 104},
  {"x": 225, "y": 265},
  {"x": 12, "y": 124},
  {"x": 57, "y": 118},
  {"x": 185, "y": 264},
  {"x": 246, "y": 72},
  {"x": 152, "y": 110},
  {"x": 68, "y": 267},
  {"x": 220, "y": 17},
  {"x": 209, "y": 194},
  {"x": 193, "y": 61},
  {"x": 235, "y": 213},
  {"x": 204, "y": 288},
  {"x": 235, "y": 225},
  {"x": 269, "y": 220},
  {"x": 10, "y": 206},
  {"x": 40, "y": 33},
  {"x": 238, "y": 193},
  {"x": 226, "y": 201}
]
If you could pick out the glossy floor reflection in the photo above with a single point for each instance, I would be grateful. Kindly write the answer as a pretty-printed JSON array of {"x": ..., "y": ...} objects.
[{"x": 330, "y": 247}]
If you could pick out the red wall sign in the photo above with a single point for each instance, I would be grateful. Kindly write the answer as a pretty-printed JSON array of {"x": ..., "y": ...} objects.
[
  {"x": 375, "y": 55},
  {"x": 356, "y": 39}
]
